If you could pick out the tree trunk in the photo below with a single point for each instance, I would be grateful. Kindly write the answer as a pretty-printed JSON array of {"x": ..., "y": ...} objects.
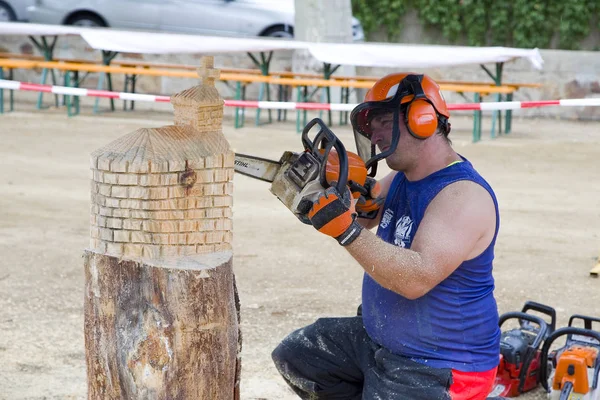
[{"x": 161, "y": 332}]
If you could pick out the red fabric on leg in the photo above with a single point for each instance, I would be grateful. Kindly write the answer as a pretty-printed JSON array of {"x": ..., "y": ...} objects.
[{"x": 472, "y": 385}]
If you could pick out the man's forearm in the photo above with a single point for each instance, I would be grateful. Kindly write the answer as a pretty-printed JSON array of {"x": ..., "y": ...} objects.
[{"x": 400, "y": 270}]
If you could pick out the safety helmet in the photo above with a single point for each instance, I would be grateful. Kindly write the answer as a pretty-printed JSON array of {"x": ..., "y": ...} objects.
[{"x": 417, "y": 96}]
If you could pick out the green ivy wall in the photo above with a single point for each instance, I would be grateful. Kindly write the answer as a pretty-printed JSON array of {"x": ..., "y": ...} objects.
[{"x": 547, "y": 24}]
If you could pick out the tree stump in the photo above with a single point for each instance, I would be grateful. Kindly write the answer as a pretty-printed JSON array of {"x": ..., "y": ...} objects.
[
  {"x": 161, "y": 308},
  {"x": 149, "y": 337}
]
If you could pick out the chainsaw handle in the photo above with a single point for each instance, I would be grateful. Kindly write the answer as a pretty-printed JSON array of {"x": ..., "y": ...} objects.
[
  {"x": 587, "y": 320},
  {"x": 544, "y": 309},
  {"x": 555, "y": 335},
  {"x": 327, "y": 140},
  {"x": 306, "y": 142},
  {"x": 528, "y": 317}
]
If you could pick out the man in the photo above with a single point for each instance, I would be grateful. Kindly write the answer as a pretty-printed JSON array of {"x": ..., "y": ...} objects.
[{"x": 429, "y": 323}]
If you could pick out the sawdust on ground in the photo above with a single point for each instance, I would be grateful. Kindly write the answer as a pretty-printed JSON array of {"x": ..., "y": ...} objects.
[{"x": 545, "y": 175}]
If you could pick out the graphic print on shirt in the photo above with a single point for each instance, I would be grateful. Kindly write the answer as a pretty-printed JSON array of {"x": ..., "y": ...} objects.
[
  {"x": 403, "y": 230},
  {"x": 386, "y": 218}
]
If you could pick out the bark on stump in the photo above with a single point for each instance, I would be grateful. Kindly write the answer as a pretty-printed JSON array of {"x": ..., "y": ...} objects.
[{"x": 161, "y": 309}]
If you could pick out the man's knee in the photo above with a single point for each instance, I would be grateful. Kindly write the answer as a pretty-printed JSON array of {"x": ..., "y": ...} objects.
[
  {"x": 291, "y": 349},
  {"x": 281, "y": 356},
  {"x": 287, "y": 363},
  {"x": 287, "y": 354}
]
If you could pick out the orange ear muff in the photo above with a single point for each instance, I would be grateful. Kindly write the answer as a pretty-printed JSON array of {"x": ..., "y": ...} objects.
[{"x": 421, "y": 119}]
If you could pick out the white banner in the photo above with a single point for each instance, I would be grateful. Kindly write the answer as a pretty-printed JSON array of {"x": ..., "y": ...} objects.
[{"x": 357, "y": 54}]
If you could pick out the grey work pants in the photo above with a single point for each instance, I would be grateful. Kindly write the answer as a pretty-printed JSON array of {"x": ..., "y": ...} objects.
[{"x": 334, "y": 358}]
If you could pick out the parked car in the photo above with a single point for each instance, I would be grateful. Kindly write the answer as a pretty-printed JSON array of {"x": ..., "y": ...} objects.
[
  {"x": 14, "y": 10},
  {"x": 273, "y": 18}
]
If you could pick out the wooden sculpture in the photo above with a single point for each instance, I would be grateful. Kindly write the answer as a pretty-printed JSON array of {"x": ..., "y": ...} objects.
[{"x": 161, "y": 309}]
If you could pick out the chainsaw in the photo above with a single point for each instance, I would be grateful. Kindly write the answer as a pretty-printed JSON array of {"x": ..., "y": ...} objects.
[
  {"x": 298, "y": 179},
  {"x": 519, "y": 367},
  {"x": 575, "y": 367}
]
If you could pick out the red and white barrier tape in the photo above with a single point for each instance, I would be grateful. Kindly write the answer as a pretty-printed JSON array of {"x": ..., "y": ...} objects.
[
  {"x": 280, "y": 105},
  {"x": 70, "y": 91}
]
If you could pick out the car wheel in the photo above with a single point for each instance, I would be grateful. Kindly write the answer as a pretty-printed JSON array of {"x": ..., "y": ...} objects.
[
  {"x": 6, "y": 13},
  {"x": 280, "y": 31},
  {"x": 87, "y": 20}
]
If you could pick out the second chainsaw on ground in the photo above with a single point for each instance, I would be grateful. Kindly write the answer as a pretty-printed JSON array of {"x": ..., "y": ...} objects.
[
  {"x": 520, "y": 354},
  {"x": 572, "y": 372}
]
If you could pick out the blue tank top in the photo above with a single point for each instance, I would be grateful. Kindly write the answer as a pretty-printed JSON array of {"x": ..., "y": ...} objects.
[{"x": 455, "y": 325}]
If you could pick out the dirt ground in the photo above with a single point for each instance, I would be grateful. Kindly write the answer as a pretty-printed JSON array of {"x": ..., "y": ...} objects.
[{"x": 545, "y": 174}]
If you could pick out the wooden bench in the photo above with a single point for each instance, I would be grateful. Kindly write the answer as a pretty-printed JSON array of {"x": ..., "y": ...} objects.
[
  {"x": 144, "y": 64},
  {"x": 72, "y": 70},
  {"x": 225, "y": 76},
  {"x": 246, "y": 71}
]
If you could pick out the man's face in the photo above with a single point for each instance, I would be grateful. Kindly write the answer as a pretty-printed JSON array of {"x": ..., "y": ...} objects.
[{"x": 382, "y": 126}]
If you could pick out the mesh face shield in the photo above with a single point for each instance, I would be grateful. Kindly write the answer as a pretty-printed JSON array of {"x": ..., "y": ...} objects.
[
  {"x": 362, "y": 117},
  {"x": 363, "y": 134}
]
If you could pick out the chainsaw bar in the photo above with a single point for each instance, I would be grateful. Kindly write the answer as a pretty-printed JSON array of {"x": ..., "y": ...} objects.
[{"x": 256, "y": 167}]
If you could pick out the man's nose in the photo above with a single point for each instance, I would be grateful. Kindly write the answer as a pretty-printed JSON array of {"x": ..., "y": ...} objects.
[{"x": 377, "y": 136}]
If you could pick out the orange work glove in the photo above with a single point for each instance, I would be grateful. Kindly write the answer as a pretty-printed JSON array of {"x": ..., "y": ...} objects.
[
  {"x": 369, "y": 202},
  {"x": 333, "y": 214}
]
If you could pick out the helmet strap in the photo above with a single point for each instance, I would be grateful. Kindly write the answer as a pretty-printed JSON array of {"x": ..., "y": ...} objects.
[{"x": 372, "y": 163}]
